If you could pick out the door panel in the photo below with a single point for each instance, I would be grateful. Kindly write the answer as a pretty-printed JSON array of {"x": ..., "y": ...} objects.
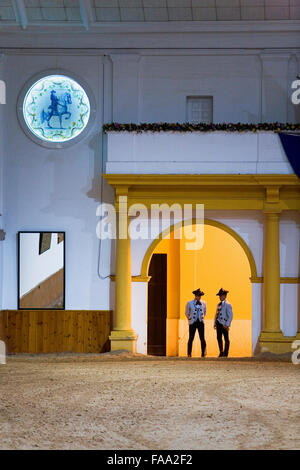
[{"x": 157, "y": 305}]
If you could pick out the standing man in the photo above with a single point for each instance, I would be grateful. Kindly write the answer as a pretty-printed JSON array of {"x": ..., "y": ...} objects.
[
  {"x": 195, "y": 312},
  {"x": 222, "y": 322}
]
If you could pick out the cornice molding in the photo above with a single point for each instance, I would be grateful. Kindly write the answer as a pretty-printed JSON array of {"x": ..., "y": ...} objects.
[
  {"x": 131, "y": 180},
  {"x": 264, "y": 35},
  {"x": 144, "y": 52},
  {"x": 159, "y": 26}
]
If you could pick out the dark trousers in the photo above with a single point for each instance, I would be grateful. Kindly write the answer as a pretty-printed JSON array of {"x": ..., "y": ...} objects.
[
  {"x": 197, "y": 325},
  {"x": 221, "y": 331}
]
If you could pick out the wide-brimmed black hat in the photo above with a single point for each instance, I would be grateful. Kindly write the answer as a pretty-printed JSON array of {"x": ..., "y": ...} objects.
[
  {"x": 198, "y": 292},
  {"x": 222, "y": 291}
]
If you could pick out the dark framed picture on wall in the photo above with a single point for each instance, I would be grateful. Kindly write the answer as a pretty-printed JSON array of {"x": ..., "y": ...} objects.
[{"x": 41, "y": 270}]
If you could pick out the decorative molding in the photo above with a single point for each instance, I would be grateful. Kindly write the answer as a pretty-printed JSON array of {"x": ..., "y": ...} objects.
[
  {"x": 130, "y": 180},
  {"x": 263, "y": 35},
  {"x": 144, "y": 27},
  {"x": 290, "y": 280},
  {"x": 140, "y": 278},
  {"x": 215, "y": 191},
  {"x": 149, "y": 52},
  {"x": 283, "y": 280},
  {"x": 272, "y": 195},
  {"x": 256, "y": 280},
  {"x": 133, "y": 278}
]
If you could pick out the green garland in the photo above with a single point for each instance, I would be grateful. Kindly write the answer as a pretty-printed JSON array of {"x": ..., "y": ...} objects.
[{"x": 202, "y": 127}]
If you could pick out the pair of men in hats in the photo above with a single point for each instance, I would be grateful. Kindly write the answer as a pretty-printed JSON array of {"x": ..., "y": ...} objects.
[{"x": 196, "y": 311}]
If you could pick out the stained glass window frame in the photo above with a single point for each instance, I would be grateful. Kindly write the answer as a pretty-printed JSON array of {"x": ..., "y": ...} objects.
[{"x": 50, "y": 143}]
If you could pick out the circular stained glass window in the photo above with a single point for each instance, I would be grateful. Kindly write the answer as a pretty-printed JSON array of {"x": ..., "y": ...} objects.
[{"x": 56, "y": 109}]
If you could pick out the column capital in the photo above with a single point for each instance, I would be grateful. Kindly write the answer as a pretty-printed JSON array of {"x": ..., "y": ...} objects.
[
  {"x": 122, "y": 190},
  {"x": 270, "y": 209},
  {"x": 121, "y": 198},
  {"x": 272, "y": 200}
]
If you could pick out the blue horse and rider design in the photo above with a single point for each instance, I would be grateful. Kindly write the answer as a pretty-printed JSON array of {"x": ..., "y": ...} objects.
[{"x": 56, "y": 108}]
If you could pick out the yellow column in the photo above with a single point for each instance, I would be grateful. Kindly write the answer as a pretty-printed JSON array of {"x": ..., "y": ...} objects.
[
  {"x": 271, "y": 338},
  {"x": 272, "y": 275},
  {"x": 122, "y": 336}
]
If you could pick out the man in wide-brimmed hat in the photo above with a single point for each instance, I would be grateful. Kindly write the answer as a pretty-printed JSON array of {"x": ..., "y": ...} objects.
[
  {"x": 195, "y": 312},
  {"x": 222, "y": 322}
]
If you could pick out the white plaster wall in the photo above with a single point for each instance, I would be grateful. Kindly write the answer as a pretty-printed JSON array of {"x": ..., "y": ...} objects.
[
  {"x": 257, "y": 313},
  {"x": 35, "y": 267},
  {"x": 232, "y": 80},
  {"x": 196, "y": 152},
  {"x": 289, "y": 267},
  {"x": 2, "y": 150},
  {"x": 289, "y": 308},
  {"x": 55, "y": 189},
  {"x": 289, "y": 244},
  {"x": 139, "y": 311}
]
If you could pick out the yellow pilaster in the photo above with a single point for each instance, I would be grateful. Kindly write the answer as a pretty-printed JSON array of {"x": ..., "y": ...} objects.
[
  {"x": 122, "y": 336},
  {"x": 271, "y": 338},
  {"x": 272, "y": 275}
]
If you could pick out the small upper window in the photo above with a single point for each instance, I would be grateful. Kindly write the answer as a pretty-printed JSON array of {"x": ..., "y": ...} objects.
[{"x": 199, "y": 109}]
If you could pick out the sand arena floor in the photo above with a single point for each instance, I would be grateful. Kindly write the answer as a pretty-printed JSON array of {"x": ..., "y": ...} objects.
[{"x": 117, "y": 401}]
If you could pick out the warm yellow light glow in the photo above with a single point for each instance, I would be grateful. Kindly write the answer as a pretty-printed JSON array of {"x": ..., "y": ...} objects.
[
  {"x": 172, "y": 248},
  {"x": 221, "y": 262}
]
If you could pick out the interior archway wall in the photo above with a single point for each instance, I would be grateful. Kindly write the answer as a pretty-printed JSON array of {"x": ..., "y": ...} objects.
[
  {"x": 214, "y": 223},
  {"x": 223, "y": 261}
]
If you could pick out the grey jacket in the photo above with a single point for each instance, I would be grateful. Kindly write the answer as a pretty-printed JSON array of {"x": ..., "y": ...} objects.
[
  {"x": 191, "y": 311},
  {"x": 226, "y": 314}
]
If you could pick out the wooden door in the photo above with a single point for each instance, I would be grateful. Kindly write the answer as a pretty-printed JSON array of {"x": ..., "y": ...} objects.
[{"x": 157, "y": 305}]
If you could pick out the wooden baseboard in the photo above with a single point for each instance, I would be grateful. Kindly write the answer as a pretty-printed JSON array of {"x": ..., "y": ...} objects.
[{"x": 50, "y": 331}]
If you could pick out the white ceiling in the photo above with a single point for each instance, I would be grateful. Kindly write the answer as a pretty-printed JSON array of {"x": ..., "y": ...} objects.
[{"x": 92, "y": 12}]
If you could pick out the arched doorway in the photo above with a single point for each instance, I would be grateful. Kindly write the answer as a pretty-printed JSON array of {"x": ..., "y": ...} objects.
[{"x": 224, "y": 261}]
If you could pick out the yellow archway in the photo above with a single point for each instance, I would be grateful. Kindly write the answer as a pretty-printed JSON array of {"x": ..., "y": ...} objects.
[
  {"x": 214, "y": 223},
  {"x": 182, "y": 276}
]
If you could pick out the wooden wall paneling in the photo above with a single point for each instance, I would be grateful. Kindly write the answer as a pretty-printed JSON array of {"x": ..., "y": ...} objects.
[
  {"x": 24, "y": 342},
  {"x": 88, "y": 332},
  {"x": 18, "y": 332},
  {"x": 46, "y": 331},
  {"x": 12, "y": 331},
  {"x": 68, "y": 330},
  {"x": 5, "y": 327},
  {"x": 40, "y": 331},
  {"x": 59, "y": 344},
  {"x": 80, "y": 333},
  {"x": 32, "y": 331},
  {"x": 52, "y": 327},
  {"x": 95, "y": 344}
]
